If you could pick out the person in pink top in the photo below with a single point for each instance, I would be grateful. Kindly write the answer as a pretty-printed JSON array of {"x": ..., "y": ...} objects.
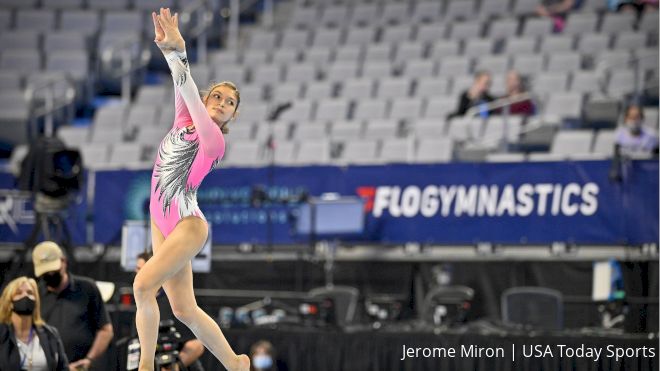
[{"x": 190, "y": 150}]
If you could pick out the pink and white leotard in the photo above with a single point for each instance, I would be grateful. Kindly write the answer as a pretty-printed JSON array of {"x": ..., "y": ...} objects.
[{"x": 189, "y": 151}]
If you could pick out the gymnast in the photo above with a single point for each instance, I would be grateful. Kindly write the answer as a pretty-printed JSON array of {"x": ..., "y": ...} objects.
[{"x": 191, "y": 149}]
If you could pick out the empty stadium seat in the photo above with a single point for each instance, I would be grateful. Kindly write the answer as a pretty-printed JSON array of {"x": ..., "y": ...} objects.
[
  {"x": 440, "y": 107},
  {"x": 243, "y": 154},
  {"x": 35, "y": 20},
  {"x": 567, "y": 144},
  {"x": 397, "y": 150},
  {"x": 362, "y": 88},
  {"x": 381, "y": 129},
  {"x": 434, "y": 150},
  {"x": 332, "y": 109},
  {"x": 370, "y": 109},
  {"x": 359, "y": 152},
  {"x": 20, "y": 40},
  {"x": 604, "y": 142},
  {"x": 313, "y": 152},
  {"x": 346, "y": 130}
]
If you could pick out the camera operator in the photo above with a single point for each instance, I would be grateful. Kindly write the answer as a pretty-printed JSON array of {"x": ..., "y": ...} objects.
[{"x": 192, "y": 349}]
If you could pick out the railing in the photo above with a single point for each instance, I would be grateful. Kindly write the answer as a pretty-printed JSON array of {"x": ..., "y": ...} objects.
[
  {"x": 604, "y": 70},
  {"x": 236, "y": 8},
  {"x": 504, "y": 103},
  {"x": 51, "y": 101},
  {"x": 199, "y": 31},
  {"x": 125, "y": 48}
]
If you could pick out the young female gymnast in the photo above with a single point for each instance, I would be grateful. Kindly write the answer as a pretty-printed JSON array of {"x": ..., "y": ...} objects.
[{"x": 189, "y": 151}]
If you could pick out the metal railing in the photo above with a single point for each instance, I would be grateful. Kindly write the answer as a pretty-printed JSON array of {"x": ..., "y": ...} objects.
[
  {"x": 130, "y": 61},
  {"x": 501, "y": 140},
  {"x": 125, "y": 48},
  {"x": 605, "y": 69},
  {"x": 201, "y": 11},
  {"x": 234, "y": 11},
  {"x": 52, "y": 102}
]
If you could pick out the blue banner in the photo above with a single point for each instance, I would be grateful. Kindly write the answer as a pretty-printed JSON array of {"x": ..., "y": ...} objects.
[
  {"x": 18, "y": 217},
  {"x": 458, "y": 203}
]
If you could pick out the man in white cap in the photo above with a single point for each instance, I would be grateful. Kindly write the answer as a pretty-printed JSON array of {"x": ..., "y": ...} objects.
[{"x": 72, "y": 304}]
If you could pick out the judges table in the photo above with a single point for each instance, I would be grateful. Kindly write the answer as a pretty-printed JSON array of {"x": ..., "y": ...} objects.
[{"x": 363, "y": 350}]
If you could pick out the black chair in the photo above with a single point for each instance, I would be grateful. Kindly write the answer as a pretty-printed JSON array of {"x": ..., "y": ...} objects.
[
  {"x": 344, "y": 300},
  {"x": 447, "y": 305},
  {"x": 536, "y": 307}
]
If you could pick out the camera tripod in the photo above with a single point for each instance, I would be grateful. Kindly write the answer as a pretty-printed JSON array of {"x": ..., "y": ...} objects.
[{"x": 50, "y": 220}]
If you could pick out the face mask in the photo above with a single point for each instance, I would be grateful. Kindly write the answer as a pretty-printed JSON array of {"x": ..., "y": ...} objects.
[
  {"x": 262, "y": 361},
  {"x": 23, "y": 306},
  {"x": 52, "y": 279},
  {"x": 635, "y": 127}
]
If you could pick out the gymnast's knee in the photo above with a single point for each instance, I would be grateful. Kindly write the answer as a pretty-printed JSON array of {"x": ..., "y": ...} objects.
[
  {"x": 143, "y": 289},
  {"x": 185, "y": 313}
]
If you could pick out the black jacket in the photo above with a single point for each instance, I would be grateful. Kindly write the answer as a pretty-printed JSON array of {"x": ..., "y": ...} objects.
[
  {"x": 465, "y": 103},
  {"x": 10, "y": 358}
]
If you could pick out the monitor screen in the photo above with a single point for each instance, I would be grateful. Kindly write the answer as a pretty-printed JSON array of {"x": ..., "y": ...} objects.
[
  {"x": 340, "y": 216},
  {"x": 136, "y": 239}
]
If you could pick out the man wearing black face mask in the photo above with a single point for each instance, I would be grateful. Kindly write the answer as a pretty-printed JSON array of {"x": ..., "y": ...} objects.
[{"x": 72, "y": 304}]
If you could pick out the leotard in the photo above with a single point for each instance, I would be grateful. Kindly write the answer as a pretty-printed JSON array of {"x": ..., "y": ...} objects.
[{"x": 189, "y": 151}]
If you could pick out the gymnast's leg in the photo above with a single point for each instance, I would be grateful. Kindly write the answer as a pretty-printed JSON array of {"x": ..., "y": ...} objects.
[
  {"x": 171, "y": 268},
  {"x": 179, "y": 291}
]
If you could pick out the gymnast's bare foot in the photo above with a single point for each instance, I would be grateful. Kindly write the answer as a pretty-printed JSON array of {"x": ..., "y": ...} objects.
[{"x": 242, "y": 363}]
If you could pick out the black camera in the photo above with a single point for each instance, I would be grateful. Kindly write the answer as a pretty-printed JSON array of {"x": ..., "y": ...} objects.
[
  {"x": 51, "y": 169},
  {"x": 168, "y": 346}
]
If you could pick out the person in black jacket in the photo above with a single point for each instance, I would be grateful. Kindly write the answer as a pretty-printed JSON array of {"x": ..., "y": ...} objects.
[
  {"x": 26, "y": 342},
  {"x": 477, "y": 95}
]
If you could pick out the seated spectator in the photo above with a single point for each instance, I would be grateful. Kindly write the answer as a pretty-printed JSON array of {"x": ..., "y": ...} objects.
[
  {"x": 476, "y": 95},
  {"x": 632, "y": 138},
  {"x": 26, "y": 341},
  {"x": 262, "y": 357},
  {"x": 515, "y": 87},
  {"x": 636, "y": 6},
  {"x": 557, "y": 10}
]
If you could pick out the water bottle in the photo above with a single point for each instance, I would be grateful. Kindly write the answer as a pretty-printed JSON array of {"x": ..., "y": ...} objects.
[
  {"x": 483, "y": 110},
  {"x": 226, "y": 316}
]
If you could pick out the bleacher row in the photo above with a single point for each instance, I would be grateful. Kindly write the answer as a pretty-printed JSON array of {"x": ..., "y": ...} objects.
[
  {"x": 120, "y": 138},
  {"x": 315, "y": 13},
  {"x": 376, "y": 142},
  {"x": 364, "y": 77}
]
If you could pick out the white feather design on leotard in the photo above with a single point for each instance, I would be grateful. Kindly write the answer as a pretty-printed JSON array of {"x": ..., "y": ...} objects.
[{"x": 177, "y": 155}]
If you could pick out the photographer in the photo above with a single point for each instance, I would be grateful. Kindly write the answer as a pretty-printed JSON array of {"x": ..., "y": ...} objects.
[{"x": 192, "y": 349}]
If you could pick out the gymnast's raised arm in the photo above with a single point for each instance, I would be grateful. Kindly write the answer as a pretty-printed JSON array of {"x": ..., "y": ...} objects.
[{"x": 189, "y": 105}]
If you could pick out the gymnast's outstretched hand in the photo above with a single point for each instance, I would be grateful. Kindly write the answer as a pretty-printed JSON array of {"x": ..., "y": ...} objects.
[{"x": 168, "y": 38}]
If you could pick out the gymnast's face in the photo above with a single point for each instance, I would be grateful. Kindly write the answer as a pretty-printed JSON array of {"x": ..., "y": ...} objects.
[{"x": 221, "y": 104}]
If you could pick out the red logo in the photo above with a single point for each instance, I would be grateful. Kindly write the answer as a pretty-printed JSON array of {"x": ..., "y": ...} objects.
[{"x": 368, "y": 194}]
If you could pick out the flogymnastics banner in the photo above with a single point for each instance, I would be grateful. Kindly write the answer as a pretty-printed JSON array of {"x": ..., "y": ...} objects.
[{"x": 458, "y": 203}]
